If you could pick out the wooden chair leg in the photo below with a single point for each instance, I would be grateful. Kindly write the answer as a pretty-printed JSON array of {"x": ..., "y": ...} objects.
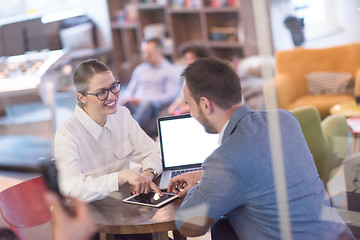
[
  {"x": 106, "y": 236},
  {"x": 178, "y": 236}
]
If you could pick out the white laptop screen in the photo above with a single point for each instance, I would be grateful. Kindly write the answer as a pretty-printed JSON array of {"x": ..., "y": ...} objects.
[{"x": 184, "y": 141}]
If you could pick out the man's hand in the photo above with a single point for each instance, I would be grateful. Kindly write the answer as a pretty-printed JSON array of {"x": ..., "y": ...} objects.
[
  {"x": 139, "y": 182},
  {"x": 66, "y": 227},
  {"x": 182, "y": 183}
]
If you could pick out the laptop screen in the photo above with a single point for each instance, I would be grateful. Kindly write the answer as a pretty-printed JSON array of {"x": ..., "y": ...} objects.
[{"x": 184, "y": 141}]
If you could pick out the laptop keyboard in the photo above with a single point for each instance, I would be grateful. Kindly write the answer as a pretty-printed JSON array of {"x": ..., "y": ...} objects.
[{"x": 178, "y": 172}]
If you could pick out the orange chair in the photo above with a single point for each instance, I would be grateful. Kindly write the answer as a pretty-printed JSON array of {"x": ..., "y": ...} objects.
[
  {"x": 23, "y": 206},
  {"x": 292, "y": 67}
]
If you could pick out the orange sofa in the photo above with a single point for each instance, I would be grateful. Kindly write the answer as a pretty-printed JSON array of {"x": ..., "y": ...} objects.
[{"x": 292, "y": 66}]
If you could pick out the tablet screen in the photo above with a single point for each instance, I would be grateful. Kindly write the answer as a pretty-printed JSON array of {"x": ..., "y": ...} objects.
[{"x": 151, "y": 199}]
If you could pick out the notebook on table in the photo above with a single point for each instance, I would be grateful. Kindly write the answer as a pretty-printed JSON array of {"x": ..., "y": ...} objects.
[{"x": 184, "y": 145}]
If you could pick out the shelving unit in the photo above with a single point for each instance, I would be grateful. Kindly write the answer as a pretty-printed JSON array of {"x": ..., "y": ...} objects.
[{"x": 227, "y": 28}]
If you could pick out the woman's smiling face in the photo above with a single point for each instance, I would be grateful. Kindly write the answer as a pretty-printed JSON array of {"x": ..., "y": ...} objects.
[{"x": 96, "y": 109}]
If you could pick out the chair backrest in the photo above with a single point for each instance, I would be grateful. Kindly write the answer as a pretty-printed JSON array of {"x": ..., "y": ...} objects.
[
  {"x": 310, "y": 123},
  {"x": 23, "y": 205},
  {"x": 299, "y": 61}
]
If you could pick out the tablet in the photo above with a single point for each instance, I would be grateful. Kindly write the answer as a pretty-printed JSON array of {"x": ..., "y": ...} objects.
[{"x": 152, "y": 199}]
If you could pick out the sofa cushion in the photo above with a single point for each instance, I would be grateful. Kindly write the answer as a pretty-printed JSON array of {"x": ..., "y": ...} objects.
[
  {"x": 330, "y": 83},
  {"x": 322, "y": 102}
]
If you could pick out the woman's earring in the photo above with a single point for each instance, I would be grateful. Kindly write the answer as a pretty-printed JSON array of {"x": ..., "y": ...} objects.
[{"x": 83, "y": 102}]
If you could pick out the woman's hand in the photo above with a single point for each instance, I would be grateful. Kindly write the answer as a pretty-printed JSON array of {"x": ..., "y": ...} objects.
[{"x": 139, "y": 182}]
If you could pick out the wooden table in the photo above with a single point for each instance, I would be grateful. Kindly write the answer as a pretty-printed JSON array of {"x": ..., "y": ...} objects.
[
  {"x": 354, "y": 126},
  {"x": 112, "y": 216},
  {"x": 351, "y": 111},
  {"x": 347, "y": 109}
]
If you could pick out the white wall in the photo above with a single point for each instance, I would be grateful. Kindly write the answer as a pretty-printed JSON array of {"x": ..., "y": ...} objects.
[
  {"x": 97, "y": 10},
  {"x": 350, "y": 31},
  {"x": 279, "y": 10}
]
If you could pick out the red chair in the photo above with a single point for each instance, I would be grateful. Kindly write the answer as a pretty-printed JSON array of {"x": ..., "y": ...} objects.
[{"x": 23, "y": 206}]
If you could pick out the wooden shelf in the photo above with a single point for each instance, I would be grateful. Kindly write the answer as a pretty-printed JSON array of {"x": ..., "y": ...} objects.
[
  {"x": 220, "y": 9},
  {"x": 224, "y": 44},
  {"x": 184, "y": 10},
  {"x": 124, "y": 25},
  {"x": 145, "y": 6},
  {"x": 181, "y": 25}
]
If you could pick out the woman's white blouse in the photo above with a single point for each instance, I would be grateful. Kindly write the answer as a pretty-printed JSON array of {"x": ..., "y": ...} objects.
[{"x": 89, "y": 157}]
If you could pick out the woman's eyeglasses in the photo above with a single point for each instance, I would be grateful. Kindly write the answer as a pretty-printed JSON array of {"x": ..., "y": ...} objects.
[{"x": 103, "y": 94}]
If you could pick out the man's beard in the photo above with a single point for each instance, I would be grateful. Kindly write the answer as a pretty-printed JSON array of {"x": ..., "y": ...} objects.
[{"x": 209, "y": 128}]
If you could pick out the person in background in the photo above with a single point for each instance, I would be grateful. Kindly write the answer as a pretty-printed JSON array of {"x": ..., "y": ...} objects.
[
  {"x": 154, "y": 84},
  {"x": 190, "y": 51},
  {"x": 101, "y": 148},
  {"x": 252, "y": 81},
  {"x": 235, "y": 192}
]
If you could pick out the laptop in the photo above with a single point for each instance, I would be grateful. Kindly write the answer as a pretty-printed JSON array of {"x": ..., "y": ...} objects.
[{"x": 184, "y": 145}]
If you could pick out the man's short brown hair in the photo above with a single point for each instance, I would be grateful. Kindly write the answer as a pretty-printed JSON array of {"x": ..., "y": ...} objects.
[{"x": 215, "y": 79}]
